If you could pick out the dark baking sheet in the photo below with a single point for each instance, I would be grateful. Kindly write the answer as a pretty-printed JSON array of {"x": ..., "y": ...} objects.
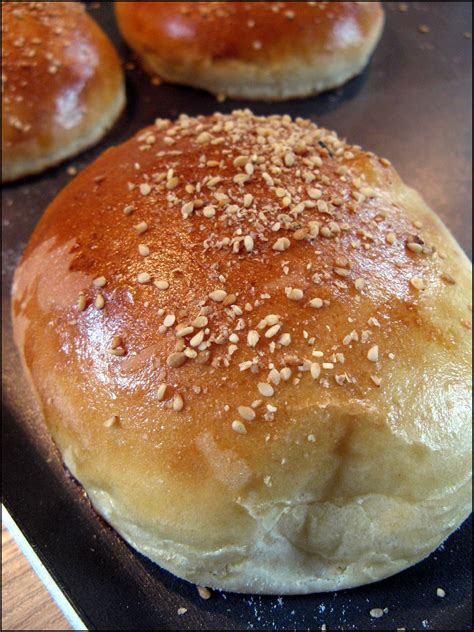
[{"x": 412, "y": 105}]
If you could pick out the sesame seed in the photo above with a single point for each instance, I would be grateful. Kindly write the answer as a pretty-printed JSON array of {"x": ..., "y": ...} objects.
[
  {"x": 182, "y": 332},
  {"x": 100, "y": 301},
  {"x": 417, "y": 283},
  {"x": 199, "y": 322},
  {"x": 342, "y": 272},
  {"x": 314, "y": 194},
  {"x": 181, "y": 611},
  {"x": 161, "y": 392},
  {"x": 440, "y": 592},
  {"x": 141, "y": 227},
  {"x": 315, "y": 370},
  {"x": 424, "y": 28},
  {"x": 414, "y": 247},
  {"x": 178, "y": 403},
  {"x": 209, "y": 211},
  {"x": 248, "y": 243},
  {"x": 252, "y": 338},
  {"x": 272, "y": 331},
  {"x": 373, "y": 354},
  {"x": 161, "y": 285},
  {"x": 391, "y": 238},
  {"x": 376, "y": 380},
  {"x": 265, "y": 389},
  {"x": 128, "y": 210},
  {"x": 447, "y": 278},
  {"x": 81, "y": 303},
  {"x": 218, "y": 295},
  {"x": 187, "y": 209},
  {"x": 145, "y": 189},
  {"x": 100, "y": 281},
  {"x": 143, "y": 277},
  {"x": 204, "y": 593},
  {"x": 240, "y": 161},
  {"x": 239, "y": 427},
  {"x": 317, "y": 303},
  {"x": 294, "y": 294},
  {"x": 176, "y": 359},
  {"x": 376, "y": 613},
  {"x": 246, "y": 413},
  {"x": 285, "y": 339},
  {"x": 169, "y": 320},
  {"x": 281, "y": 244},
  {"x": 197, "y": 339},
  {"x": 143, "y": 250},
  {"x": 248, "y": 199},
  {"x": 359, "y": 284}
]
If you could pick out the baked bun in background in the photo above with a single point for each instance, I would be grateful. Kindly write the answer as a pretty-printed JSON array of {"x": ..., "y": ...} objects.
[
  {"x": 251, "y": 344},
  {"x": 253, "y": 50},
  {"x": 62, "y": 85}
]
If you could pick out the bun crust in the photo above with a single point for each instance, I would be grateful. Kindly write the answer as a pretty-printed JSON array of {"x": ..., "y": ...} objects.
[
  {"x": 253, "y": 50},
  {"x": 62, "y": 85},
  {"x": 234, "y": 225}
]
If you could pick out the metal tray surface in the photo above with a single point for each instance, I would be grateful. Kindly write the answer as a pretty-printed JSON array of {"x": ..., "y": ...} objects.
[{"x": 412, "y": 105}]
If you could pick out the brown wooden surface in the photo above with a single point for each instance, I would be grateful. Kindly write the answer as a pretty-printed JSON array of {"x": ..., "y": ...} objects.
[{"x": 26, "y": 604}]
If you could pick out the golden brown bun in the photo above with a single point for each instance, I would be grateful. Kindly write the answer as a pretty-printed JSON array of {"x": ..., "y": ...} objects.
[
  {"x": 253, "y": 50},
  {"x": 359, "y": 464},
  {"x": 62, "y": 85}
]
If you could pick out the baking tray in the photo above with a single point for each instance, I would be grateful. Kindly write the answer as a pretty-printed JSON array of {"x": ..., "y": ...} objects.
[{"x": 412, "y": 105}]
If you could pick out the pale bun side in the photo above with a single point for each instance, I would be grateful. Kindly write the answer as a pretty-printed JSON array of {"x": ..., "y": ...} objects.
[
  {"x": 63, "y": 86},
  {"x": 253, "y": 50},
  {"x": 359, "y": 463}
]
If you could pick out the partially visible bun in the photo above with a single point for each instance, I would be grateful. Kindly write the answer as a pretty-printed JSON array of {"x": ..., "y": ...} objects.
[
  {"x": 252, "y": 346},
  {"x": 253, "y": 50},
  {"x": 62, "y": 85}
]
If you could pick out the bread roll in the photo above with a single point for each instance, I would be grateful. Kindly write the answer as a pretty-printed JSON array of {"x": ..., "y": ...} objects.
[
  {"x": 62, "y": 85},
  {"x": 253, "y": 50},
  {"x": 251, "y": 344}
]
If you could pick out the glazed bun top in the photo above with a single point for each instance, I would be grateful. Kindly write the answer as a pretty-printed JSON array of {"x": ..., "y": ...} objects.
[
  {"x": 219, "y": 304},
  {"x": 252, "y": 32},
  {"x": 62, "y": 83}
]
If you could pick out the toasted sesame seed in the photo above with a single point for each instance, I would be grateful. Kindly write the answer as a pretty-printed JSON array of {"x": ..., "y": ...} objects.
[
  {"x": 178, "y": 403},
  {"x": 252, "y": 338},
  {"x": 314, "y": 228},
  {"x": 417, "y": 283},
  {"x": 187, "y": 209},
  {"x": 99, "y": 301},
  {"x": 161, "y": 285},
  {"x": 128, "y": 210},
  {"x": 314, "y": 194},
  {"x": 100, "y": 281},
  {"x": 239, "y": 427},
  {"x": 81, "y": 303},
  {"x": 376, "y": 380},
  {"x": 176, "y": 359},
  {"x": 281, "y": 244},
  {"x": 246, "y": 413},
  {"x": 272, "y": 331},
  {"x": 143, "y": 277},
  {"x": 316, "y": 303},
  {"x": 315, "y": 370},
  {"x": 204, "y": 592},
  {"x": 141, "y": 227},
  {"x": 240, "y": 161},
  {"x": 373, "y": 354},
  {"x": 199, "y": 322},
  {"x": 414, "y": 247},
  {"x": 161, "y": 393},
  {"x": 117, "y": 351},
  {"x": 359, "y": 284},
  {"x": 248, "y": 200},
  {"x": 342, "y": 272},
  {"x": 447, "y": 278},
  {"x": 391, "y": 238},
  {"x": 265, "y": 389},
  {"x": 424, "y": 28},
  {"x": 218, "y": 295},
  {"x": 143, "y": 250}
]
